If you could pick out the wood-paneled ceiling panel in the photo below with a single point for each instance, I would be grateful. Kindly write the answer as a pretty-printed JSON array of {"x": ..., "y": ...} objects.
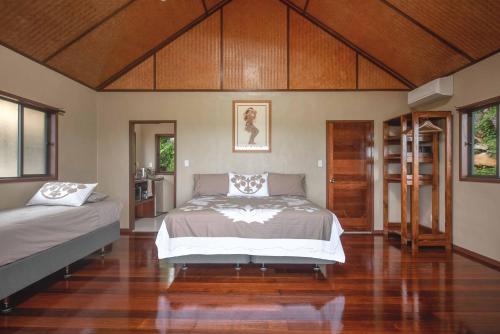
[
  {"x": 193, "y": 60},
  {"x": 39, "y": 28},
  {"x": 370, "y": 76},
  {"x": 211, "y": 3},
  {"x": 255, "y": 45},
  {"x": 472, "y": 26},
  {"x": 97, "y": 41},
  {"x": 300, "y": 3},
  {"x": 317, "y": 60},
  {"x": 389, "y": 37},
  {"x": 124, "y": 38},
  {"x": 140, "y": 77}
]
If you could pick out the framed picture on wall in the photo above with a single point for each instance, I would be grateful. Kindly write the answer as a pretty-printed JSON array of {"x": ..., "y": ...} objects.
[{"x": 252, "y": 126}]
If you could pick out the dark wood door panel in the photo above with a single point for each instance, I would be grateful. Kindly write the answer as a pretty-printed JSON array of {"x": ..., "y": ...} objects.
[{"x": 350, "y": 173}]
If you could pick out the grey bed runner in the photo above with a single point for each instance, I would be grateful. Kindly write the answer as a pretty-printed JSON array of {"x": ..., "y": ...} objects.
[{"x": 276, "y": 217}]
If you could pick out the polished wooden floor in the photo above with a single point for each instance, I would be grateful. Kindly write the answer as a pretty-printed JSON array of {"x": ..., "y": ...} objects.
[{"x": 380, "y": 289}]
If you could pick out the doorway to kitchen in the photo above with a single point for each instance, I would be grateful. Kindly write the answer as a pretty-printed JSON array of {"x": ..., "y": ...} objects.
[{"x": 152, "y": 173}]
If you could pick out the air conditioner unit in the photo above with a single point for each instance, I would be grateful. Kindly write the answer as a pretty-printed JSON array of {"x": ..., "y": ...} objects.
[{"x": 431, "y": 91}]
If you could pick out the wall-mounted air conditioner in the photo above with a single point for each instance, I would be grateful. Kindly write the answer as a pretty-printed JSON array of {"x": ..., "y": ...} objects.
[{"x": 431, "y": 91}]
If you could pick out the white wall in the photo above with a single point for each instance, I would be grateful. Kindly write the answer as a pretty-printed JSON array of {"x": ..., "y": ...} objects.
[
  {"x": 204, "y": 134},
  {"x": 77, "y": 128},
  {"x": 476, "y": 206}
]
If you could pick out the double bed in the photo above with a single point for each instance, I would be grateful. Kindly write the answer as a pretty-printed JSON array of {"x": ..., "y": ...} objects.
[{"x": 271, "y": 229}]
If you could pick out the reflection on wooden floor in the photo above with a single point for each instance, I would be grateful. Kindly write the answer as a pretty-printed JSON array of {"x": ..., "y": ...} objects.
[{"x": 380, "y": 289}]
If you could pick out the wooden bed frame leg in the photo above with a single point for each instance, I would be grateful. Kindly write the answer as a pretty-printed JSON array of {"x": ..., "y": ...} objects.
[
  {"x": 6, "y": 307},
  {"x": 184, "y": 267},
  {"x": 66, "y": 272},
  {"x": 263, "y": 267},
  {"x": 237, "y": 267}
]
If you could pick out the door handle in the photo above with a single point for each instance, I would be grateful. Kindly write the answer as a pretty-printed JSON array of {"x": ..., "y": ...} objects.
[{"x": 332, "y": 180}]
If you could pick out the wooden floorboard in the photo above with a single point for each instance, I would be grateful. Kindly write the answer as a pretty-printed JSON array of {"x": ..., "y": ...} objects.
[{"x": 381, "y": 289}]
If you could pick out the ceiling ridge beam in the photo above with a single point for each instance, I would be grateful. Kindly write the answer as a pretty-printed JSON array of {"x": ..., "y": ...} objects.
[
  {"x": 160, "y": 46},
  {"x": 349, "y": 44},
  {"x": 87, "y": 31},
  {"x": 429, "y": 31}
]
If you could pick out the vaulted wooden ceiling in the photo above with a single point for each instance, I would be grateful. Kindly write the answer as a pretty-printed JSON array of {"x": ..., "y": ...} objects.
[{"x": 252, "y": 44}]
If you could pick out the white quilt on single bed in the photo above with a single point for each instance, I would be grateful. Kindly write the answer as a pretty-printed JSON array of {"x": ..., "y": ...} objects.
[
  {"x": 320, "y": 249},
  {"x": 28, "y": 230}
]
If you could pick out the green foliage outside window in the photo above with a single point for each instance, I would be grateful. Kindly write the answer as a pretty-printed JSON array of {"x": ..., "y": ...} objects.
[
  {"x": 484, "y": 134},
  {"x": 167, "y": 154}
]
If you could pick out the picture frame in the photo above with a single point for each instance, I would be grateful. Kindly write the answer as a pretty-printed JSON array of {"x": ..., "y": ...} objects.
[{"x": 252, "y": 126}]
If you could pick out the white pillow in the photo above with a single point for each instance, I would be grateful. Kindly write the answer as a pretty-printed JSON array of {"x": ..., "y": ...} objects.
[
  {"x": 96, "y": 197},
  {"x": 251, "y": 185},
  {"x": 62, "y": 193}
]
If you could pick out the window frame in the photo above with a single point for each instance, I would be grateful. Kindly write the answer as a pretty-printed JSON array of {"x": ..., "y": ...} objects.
[
  {"x": 465, "y": 149},
  {"x": 158, "y": 136},
  {"x": 51, "y": 160}
]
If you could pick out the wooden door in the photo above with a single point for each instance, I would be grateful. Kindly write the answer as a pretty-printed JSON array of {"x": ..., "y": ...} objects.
[{"x": 350, "y": 173}]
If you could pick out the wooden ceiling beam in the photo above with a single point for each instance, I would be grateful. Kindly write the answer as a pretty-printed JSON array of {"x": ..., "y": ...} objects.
[
  {"x": 472, "y": 63},
  {"x": 87, "y": 31},
  {"x": 204, "y": 5},
  {"x": 164, "y": 43},
  {"x": 305, "y": 6},
  {"x": 350, "y": 44},
  {"x": 24, "y": 54},
  {"x": 429, "y": 31}
]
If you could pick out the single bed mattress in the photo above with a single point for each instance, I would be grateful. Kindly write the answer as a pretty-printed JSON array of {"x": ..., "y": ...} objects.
[
  {"x": 28, "y": 230},
  {"x": 265, "y": 226}
]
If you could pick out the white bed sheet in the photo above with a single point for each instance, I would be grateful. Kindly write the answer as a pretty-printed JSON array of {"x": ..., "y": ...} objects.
[
  {"x": 28, "y": 230},
  {"x": 320, "y": 249}
]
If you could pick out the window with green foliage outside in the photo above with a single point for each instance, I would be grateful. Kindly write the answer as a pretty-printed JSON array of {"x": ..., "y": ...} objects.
[
  {"x": 484, "y": 135},
  {"x": 165, "y": 146}
]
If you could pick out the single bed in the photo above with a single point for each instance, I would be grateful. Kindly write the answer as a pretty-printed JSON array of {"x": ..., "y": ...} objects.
[
  {"x": 36, "y": 241},
  {"x": 272, "y": 229}
]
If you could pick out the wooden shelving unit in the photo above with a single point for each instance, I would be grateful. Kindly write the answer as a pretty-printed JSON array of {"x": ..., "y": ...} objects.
[{"x": 416, "y": 143}]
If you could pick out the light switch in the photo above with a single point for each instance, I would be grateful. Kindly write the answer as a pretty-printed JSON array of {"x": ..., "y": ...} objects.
[
  {"x": 186, "y": 163},
  {"x": 320, "y": 163}
]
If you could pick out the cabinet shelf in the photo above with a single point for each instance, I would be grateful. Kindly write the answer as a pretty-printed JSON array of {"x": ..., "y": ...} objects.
[
  {"x": 425, "y": 234},
  {"x": 424, "y": 158},
  {"x": 396, "y": 178},
  {"x": 396, "y": 140}
]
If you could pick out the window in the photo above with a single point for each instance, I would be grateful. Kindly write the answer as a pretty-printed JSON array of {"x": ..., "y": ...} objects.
[
  {"x": 165, "y": 154},
  {"x": 27, "y": 140},
  {"x": 479, "y": 138}
]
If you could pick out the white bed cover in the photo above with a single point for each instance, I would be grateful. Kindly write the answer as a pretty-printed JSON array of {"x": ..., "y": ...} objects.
[
  {"x": 320, "y": 249},
  {"x": 28, "y": 230}
]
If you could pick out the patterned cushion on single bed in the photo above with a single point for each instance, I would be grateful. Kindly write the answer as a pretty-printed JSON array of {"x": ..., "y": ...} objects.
[
  {"x": 62, "y": 193},
  {"x": 251, "y": 185}
]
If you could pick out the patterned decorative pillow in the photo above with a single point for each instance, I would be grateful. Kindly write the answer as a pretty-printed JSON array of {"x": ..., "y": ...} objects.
[
  {"x": 62, "y": 193},
  {"x": 251, "y": 185}
]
